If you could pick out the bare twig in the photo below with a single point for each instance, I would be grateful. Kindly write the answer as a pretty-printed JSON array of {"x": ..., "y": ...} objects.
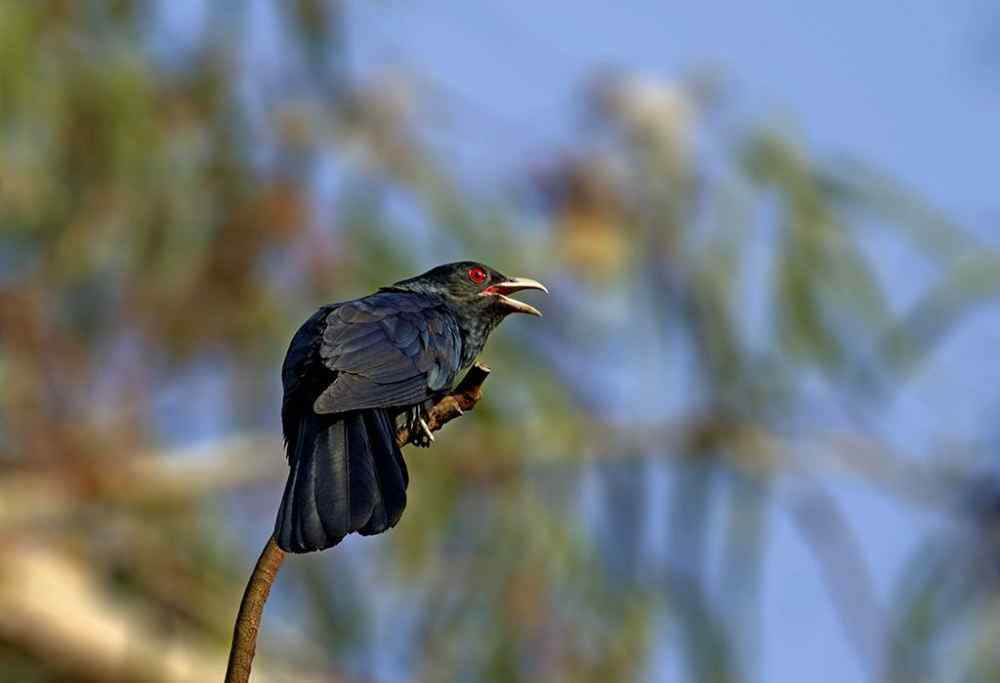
[
  {"x": 464, "y": 397},
  {"x": 251, "y": 608}
]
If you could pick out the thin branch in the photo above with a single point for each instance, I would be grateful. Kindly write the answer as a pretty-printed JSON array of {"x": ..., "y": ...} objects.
[{"x": 463, "y": 398}]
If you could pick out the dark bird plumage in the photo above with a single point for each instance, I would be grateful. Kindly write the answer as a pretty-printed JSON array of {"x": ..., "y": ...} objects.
[{"x": 356, "y": 367}]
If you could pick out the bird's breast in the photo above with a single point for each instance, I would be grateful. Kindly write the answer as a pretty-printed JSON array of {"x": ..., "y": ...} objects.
[{"x": 476, "y": 332}]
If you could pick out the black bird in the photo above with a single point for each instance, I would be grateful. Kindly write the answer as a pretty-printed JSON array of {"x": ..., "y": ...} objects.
[{"x": 355, "y": 368}]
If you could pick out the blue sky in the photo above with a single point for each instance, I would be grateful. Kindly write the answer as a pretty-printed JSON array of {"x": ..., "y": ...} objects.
[{"x": 903, "y": 85}]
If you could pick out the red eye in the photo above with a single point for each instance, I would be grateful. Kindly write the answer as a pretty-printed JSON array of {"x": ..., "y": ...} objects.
[{"x": 477, "y": 275}]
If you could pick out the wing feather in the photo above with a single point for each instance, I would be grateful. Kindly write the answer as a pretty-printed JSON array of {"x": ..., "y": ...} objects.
[{"x": 387, "y": 349}]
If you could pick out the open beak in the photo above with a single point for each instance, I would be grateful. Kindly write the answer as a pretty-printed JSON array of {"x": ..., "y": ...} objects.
[{"x": 515, "y": 284}]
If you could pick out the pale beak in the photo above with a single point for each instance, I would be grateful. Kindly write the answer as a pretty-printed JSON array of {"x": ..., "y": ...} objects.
[{"x": 515, "y": 284}]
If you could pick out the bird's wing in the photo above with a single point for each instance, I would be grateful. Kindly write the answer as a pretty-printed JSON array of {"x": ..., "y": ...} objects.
[{"x": 388, "y": 349}]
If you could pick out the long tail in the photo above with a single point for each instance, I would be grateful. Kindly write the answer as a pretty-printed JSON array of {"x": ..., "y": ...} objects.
[{"x": 346, "y": 474}]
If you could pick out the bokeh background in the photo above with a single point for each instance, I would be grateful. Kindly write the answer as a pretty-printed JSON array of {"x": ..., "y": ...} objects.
[{"x": 754, "y": 438}]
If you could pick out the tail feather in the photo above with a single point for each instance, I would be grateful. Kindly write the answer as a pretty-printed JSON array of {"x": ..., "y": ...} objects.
[
  {"x": 390, "y": 471},
  {"x": 346, "y": 474},
  {"x": 308, "y": 527},
  {"x": 331, "y": 497},
  {"x": 286, "y": 524},
  {"x": 366, "y": 498}
]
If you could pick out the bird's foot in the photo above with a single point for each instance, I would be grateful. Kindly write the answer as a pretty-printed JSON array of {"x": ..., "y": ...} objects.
[
  {"x": 426, "y": 436},
  {"x": 420, "y": 431}
]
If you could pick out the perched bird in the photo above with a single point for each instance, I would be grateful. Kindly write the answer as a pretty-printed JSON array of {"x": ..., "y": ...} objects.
[{"x": 353, "y": 370}]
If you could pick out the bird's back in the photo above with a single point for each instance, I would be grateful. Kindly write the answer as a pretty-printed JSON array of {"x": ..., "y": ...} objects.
[{"x": 388, "y": 349}]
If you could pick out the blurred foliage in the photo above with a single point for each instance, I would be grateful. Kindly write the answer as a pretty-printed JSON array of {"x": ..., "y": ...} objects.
[{"x": 170, "y": 210}]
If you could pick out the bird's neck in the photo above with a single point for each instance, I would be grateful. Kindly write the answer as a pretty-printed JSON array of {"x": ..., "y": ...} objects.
[
  {"x": 475, "y": 330},
  {"x": 476, "y": 320}
]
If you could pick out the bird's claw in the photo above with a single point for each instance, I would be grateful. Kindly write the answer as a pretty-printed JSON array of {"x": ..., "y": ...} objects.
[
  {"x": 427, "y": 431},
  {"x": 420, "y": 431}
]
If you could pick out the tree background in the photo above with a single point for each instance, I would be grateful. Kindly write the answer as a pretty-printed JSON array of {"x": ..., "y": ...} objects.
[{"x": 753, "y": 439}]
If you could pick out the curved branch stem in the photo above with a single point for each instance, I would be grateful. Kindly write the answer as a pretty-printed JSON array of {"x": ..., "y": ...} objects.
[{"x": 464, "y": 397}]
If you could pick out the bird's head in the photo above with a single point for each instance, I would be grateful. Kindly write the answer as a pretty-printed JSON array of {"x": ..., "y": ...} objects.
[{"x": 475, "y": 288}]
